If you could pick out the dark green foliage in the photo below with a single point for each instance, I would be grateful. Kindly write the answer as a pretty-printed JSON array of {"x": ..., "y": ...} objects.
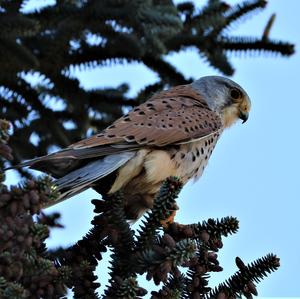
[
  {"x": 129, "y": 289},
  {"x": 241, "y": 283},
  {"x": 164, "y": 203},
  {"x": 52, "y": 42},
  {"x": 216, "y": 228},
  {"x": 5, "y": 150},
  {"x": 24, "y": 266},
  {"x": 29, "y": 270},
  {"x": 174, "y": 288}
]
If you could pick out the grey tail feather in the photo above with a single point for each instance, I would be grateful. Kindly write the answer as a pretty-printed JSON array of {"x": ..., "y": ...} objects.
[
  {"x": 24, "y": 164},
  {"x": 81, "y": 179}
]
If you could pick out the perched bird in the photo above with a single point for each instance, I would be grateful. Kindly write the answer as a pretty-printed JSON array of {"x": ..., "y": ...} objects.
[{"x": 171, "y": 134}]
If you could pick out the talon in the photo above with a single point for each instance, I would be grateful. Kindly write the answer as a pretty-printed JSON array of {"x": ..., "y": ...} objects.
[{"x": 166, "y": 222}]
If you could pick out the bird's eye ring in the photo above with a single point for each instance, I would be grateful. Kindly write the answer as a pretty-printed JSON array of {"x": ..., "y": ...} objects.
[{"x": 235, "y": 94}]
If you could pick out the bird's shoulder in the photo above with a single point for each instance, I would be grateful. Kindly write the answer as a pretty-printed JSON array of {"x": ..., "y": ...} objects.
[{"x": 178, "y": 95}]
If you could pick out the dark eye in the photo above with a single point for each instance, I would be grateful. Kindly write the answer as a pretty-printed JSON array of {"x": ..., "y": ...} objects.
[{"x": 235, "y": 94}]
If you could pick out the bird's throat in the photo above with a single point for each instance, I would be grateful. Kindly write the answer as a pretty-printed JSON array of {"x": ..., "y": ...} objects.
[{"x": 230, "y": 115}]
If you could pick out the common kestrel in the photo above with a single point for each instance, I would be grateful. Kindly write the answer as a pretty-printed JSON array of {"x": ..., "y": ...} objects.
[{"x": 171, "y": 134}]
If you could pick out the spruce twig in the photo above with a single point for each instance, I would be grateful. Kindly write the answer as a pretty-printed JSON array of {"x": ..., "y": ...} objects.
[
  {"x": 242, "y": 282},
  {"x": 164, "y": 204},
  {"x": 268, "y": 27}
]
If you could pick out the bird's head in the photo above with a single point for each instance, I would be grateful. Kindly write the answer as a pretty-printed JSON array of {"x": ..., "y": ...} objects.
[{"x": 225, "y": 97}]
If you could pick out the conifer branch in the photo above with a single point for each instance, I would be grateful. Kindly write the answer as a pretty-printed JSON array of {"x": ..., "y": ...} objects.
[
  {"x": 174, "y": 288},
  {"x": 266, "y": 33},
  {"x": 121, "y": 238},
  {"x": 211, "y": 16},
  {"x": 17, "y": 25},
  {"x": 242, "y": 282},
  {"x": 257, "y": 45},
  {"x": 127, "y": 289},
  {"x": 237, "y": 12},
  {"x": 223, "y": 227},
  {"x": 164, "y": 204},
  {"x": 160, "y": 261},
  {"x": 167, "y": 72},
  {"x": 27, "y": 267}
]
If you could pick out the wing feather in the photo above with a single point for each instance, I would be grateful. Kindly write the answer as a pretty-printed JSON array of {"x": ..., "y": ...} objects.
[
  {"x": 82, "y": 178},
  {"x": 178, "y": 115},
  {"x": 170, "y": 117}
]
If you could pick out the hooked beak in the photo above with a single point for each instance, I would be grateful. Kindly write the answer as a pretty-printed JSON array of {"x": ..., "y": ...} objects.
[{"x": 243, "y": 116}]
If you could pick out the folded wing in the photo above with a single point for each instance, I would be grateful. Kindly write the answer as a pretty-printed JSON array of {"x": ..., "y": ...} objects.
[{"x": 168, "y": 118}]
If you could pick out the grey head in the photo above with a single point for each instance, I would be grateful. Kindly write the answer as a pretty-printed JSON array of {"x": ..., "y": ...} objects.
[{"x": 224, "y": 96}]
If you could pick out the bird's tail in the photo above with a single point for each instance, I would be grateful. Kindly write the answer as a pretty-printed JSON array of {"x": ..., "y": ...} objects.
[{"x": 82, "y": 178}]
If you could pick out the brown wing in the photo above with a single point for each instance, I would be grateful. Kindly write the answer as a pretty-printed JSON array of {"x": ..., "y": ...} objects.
[{"x": 169, "y": 117}]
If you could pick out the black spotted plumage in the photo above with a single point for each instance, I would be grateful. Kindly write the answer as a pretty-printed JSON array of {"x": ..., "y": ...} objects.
[{"x": 173, "y": 133}]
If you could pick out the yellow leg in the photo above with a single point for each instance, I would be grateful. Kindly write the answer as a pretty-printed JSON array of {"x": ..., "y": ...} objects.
[{"x": 166, "y": 222}]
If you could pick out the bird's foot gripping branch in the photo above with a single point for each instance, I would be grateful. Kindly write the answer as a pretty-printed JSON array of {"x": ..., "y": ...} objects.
[{"x": 29, "y": 270}]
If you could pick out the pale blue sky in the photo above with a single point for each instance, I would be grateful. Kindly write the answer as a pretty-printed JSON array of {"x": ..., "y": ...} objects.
[{"x": 253, "y": 173}]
